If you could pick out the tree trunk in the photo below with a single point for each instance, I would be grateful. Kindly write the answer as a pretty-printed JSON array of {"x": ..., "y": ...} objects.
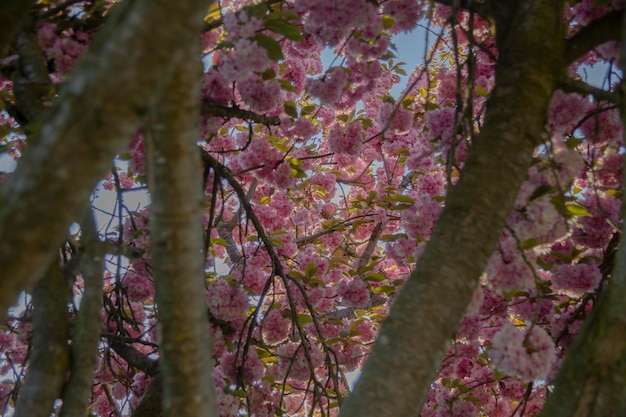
[
  {"x": 101, "y": 107},
  {"x": 592, "y": 379},
  {"x": 49, "y": 351},
  {"x": 86, "y": 334},
  {"x": 413, "y": 339},
  {"x": 177, "y": 242}
]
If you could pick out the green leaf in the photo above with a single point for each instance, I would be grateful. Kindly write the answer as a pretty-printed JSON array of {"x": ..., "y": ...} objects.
[
  {"x": 239, "y": 393},
  {"x": 286, "y": 85},
  {"x": 304, "y": 318},
  {"x": 401, "y": 207},
  {"x": 408, "y": 101},
  {"x": 613, "y": 192},
  {"x": 388, "y": 22},
  {"x": 366, "y": 123},
  {"x": 281, "y": 27},
  {"x": 268, "y": 74},
  {"x": 310, "y": 270},
  {"x": 218, "y": 241},
  {"x": 375, "y": 277},
  {"x": 399, "y": 198},
  {"x": 530, "y": 243},
  {"x": 297, "y": 172},
  {"x": 271, "y": 45},
  {"x": 578, "y": 210},
  {"x": 573, "y": 142},
  {"x": 385, "y": 289},
  {"x": 308, "y": 109},
  {"x": 394, "y": 237},
  {"x": 540, "y": 192},
  {"x": 481, "y": 91},
  {"x": 290, "y": 109}
]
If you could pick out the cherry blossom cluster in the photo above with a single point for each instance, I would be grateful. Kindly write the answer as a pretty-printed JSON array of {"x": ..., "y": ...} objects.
[{"x": 321, "y": 192}]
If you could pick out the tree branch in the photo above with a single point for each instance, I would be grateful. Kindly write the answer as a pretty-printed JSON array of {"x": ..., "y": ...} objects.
[
  {"x": 134, "y": 358},
  {"x": 12, "y": 15},
  {"x": 86, "y": 335},
  {"x": 602, "y": 30},
  {"x": 595, "y": 364},
  {"x": 434, "y": 299},
  {"x": 32, "y": 83},
  {"x": 177, "y": 240},
  {"x": 371, "y": 246},
  {"x": 580, "y": 87},
  {"x": 151, "y": 404},
  {"x": 212, "y": 109},
  {"x": 100, "y": 108},
  {"x": 49, "y": 353}
]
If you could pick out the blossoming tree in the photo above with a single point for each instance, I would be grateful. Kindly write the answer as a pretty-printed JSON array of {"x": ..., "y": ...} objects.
[{"x": 454, "y": 246}]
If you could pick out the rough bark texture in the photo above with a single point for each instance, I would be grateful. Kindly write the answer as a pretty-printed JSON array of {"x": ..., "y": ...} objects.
[
  {"x": 177, "y": 242},
  {"x": 86, "y": 334},
  {"x": 592, "y": 379},
  {"x": 99, "y": 110},
  {"x": 31, "y": 83},
  {"x": 151, "y": 404},
  {"x": 594, "y": 34},
  {"x": 413, "y": 339},
  {"x": 49, "y": 352},
  {"x": 12, "y": 14}
]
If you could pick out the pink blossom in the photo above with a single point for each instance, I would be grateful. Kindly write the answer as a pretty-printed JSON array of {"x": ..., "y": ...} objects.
[
  {"x": 332, "y": 21},
  {"x": 138, "y": 287},
  {"x": 354, "y": 292},
  {"x": 404, "y": 13},
  {"x": 402, "y": 119},
  {"x": 137, "y": 161},
  {"x": 275, "y": 327},
  {"x": 326, "y": 182},
  {"x": 604, "y": 127},
  {"x": 7, "y": 339},
  {"x": 283, "y": 176},
  {"x": 420, "y": 219},
  {"x": 574, "y": 280},
  {"x": 215, "y": 88},
  {"x": 527, "y": 354},
  {"x": 328, "y": 88},
  {"x": 125, "y": 181},
  {"x": 348, "y": 141},
  {"x": 102, "y": 406},
  {"x": 227, "y": 405},
  {"x": 566, "y": 111},
  {"x": 6, "y": 389},
  {"x": 260, "y": 96},
  {"x": 440, "y": 122},
  {"x": 507, "y": 269},
  {"x": 248, "y": 58},
  {"x": 228, "y": 303},
  {"x": 293, "y": 362}
]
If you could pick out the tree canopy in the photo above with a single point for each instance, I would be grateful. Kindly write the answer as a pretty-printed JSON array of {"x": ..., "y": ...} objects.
[{"x": 228, "y": 209}]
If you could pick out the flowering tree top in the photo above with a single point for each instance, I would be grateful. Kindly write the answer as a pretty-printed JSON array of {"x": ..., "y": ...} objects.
[{"x": 300, "y": 225}]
